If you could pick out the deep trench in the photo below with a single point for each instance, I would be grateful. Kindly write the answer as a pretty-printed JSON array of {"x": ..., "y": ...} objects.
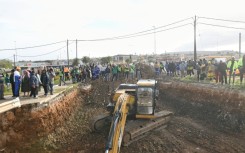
[
  {"x": 63, "y": 125},
  {"x": 221, "y": 107}
]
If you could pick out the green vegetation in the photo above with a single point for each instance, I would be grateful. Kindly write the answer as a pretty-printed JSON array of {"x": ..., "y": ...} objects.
[
  {"x": 86, "y": 59},
  {"x": 105, "y": 60},
  {"x": 56, "y": 79},
  {"x": 5, "y": 64},
  {"x": 75, "y": 62},
  {"x": 128, "y": 60},
  {"x": 193, "y": 79},
  {"x": 7, "y": 91}
]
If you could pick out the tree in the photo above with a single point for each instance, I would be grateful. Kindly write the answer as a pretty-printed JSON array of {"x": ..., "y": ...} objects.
[
  {"x": 128, "y": 60},
  {"x": 86, "y": 59},
  {"x": 5, "y": 64},
  {"x": 75, "y": 62},
  {"x": 105, "y": 60}
]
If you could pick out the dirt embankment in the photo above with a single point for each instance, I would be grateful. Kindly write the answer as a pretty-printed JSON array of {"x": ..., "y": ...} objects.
[
  {"x": 20, "y": 128},
  {"x": 220, "y": 106}
]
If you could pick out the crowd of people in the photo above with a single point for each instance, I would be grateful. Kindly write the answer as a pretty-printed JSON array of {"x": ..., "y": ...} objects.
[
  {"x": 106, "y": 72},
  {"x": 220, "y": 71},
  {"x": 29, "y": 81}
]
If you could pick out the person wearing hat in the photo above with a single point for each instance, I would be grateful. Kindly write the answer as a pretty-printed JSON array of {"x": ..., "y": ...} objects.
[
  {"x": 17, "y": 82},
  {"x": 232, "y": 66}
]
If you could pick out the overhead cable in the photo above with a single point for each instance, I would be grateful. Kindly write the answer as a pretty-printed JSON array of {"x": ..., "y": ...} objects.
[
  {"x": 43, "y": 54},
  {"x": 222, "y": 20},
  {"x": 215, "y": 25},
  {"x": 135, "y": 34},
  {"x": 157, "y": 31},
  {"x": 32, "y": 46},
  {"x": 48, "y": 52}
]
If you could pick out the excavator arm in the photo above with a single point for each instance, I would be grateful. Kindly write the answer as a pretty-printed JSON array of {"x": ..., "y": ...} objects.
[{"x": 118, "y": 124}]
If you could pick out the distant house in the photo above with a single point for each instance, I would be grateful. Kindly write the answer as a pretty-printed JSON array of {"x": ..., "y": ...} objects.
[{"x": 122, "y": 58}]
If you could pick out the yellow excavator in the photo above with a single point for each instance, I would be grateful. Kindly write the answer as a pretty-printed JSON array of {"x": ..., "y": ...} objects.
[{"x": 131, "y": 113}]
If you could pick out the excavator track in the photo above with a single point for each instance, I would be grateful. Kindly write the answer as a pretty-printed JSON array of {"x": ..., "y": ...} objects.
[{"x": 137, "y": 129}]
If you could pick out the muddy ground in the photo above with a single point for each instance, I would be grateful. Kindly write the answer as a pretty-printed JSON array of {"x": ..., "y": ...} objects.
[{"x": 206, "y": 119}]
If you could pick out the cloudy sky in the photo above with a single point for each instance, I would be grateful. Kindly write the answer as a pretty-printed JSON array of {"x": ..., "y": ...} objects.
[{"x": 26, "y": 23}]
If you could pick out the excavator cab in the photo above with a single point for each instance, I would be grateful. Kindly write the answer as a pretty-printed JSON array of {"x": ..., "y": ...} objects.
[{"x": 146, "y": 97}]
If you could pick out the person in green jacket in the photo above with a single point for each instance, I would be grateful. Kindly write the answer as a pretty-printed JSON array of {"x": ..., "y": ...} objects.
[
  {"x": 132, "y": 69},
  {"x": 7, "y": 80},
  {"x": 114, "y": 72},
  {"x": 61, "y": 74},
  {"x": 126, "y": 70},
  {"x": 232, "y": 66},
  {"x": 241, "y": 67}
]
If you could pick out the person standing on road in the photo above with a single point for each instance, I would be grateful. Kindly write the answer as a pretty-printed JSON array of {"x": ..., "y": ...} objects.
[
  {"x": 232, "y": 66},
  {"x": 126, "y": 69},
  {"x": 182, "y": 68},
  {"x": 25, "y": 83},
  {"x": 38, "y": 76},
  {"x": 51, "y": 80},
  {"x": 241, "y": 67},
  {"x": 138, "y": 71},
  {"x": 17, "y": 82},
  {"x": 222, "y": 70},
  {"x": 7, "y": 80},
  {"x": 61, "y": 74},
  {"x": 45, "y": 81},
  {"x": 114, "y": 72},
  {"x": 1, "y": 87},
  {"x": 132, "y": 69},
  {"x": 34, "y": 83},
  {"x": 11, "y": 79},
  {"x": 107, "y": 73}
]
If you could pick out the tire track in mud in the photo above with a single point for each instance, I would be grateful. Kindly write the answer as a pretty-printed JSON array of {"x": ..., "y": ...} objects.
[
  {"x": 184, "y": 135},
  {"x": 206, "y": 137}
]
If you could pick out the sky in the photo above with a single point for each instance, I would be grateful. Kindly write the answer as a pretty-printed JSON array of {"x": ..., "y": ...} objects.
[{"x": 26, "y": 23}]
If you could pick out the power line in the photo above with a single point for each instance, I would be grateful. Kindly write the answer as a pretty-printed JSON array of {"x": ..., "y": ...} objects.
[
  {"x": 7, "y": 58},
  {"x": 133, "y": 34},
  {"x": 43, "y": 54},
  {"x": 32, "y": 46},
  {"x": 125, "y": 37},
  {"x": 215, "y": 25},
  {"x": 48, "y": 52},
  {"x": 222, "y": 20},
  {"x": 157, "y": 31}
]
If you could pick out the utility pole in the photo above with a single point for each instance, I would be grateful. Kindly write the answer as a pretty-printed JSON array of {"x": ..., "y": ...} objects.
[
  {"x": 154, "y": 40},
  {"x": 67, "y": 53},
  {"x": 15, "y": 50},
  {"x": 195, "y": 47},
  {"x": 14, "y": 60},
  {"x": 240, "y": 45},
  {"x": 76, "y": 48}
]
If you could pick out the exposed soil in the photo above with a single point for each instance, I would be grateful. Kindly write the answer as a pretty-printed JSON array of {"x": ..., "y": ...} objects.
[{"x": 207, "y": 119}]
